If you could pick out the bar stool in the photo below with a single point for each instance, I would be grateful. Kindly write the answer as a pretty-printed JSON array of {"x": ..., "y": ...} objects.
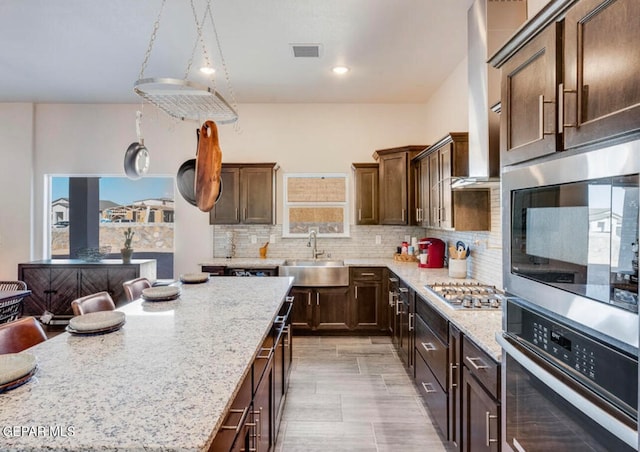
[
  {"x": 134, "y": 287},
  {"x": 20, "y": 334},
  {"x": 100, "y": 301}
]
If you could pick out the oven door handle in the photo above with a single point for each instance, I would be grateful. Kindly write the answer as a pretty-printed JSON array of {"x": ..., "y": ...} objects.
[{"x": 617, "y": 428}]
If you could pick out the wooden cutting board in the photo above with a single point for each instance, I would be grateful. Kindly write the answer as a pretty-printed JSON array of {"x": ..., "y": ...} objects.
[{"x": 208, "y": 167}]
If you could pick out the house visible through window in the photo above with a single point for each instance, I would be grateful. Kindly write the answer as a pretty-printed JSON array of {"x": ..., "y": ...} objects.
[{"x": 110, "y": 205}]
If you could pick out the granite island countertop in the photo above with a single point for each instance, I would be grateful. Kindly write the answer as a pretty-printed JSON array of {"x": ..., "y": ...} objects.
[
  {"x": 163, "y": 382},
  {"x": 479, "y": 326}
]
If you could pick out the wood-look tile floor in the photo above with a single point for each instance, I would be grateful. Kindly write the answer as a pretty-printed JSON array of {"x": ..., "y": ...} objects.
[{"x": 353, "y": 394}]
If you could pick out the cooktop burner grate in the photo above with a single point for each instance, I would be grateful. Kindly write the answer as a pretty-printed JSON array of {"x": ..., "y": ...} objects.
[{"x": 468, "y": 295}]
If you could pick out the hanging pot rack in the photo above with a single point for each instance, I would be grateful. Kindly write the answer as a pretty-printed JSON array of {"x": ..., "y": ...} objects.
[{"x": 182, "y": 98}]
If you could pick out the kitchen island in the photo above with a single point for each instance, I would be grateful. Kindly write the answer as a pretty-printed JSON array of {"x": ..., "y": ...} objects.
[{"x": 163, "y": 382}]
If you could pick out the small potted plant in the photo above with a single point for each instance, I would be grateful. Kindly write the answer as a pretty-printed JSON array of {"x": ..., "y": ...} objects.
[{"x": 127, "y": 250}]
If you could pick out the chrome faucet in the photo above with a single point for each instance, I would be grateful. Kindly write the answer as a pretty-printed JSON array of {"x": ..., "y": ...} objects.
[{"x": 314, "y": 250}]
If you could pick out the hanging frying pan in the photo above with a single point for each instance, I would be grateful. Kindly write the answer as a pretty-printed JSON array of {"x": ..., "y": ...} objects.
[{"x": 136, "y": 158}]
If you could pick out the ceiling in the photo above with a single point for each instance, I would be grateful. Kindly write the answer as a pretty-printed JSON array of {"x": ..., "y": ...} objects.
[{"x": 91, "y": 51}]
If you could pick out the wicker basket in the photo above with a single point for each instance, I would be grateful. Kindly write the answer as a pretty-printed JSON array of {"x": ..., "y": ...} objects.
[
  {"x": 405, "y": 257},
  {"x": 11, "y": 309}
]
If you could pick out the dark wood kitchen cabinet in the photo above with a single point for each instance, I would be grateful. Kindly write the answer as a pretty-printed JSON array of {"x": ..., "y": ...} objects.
[
  {"x": 569, "y": 79},
  {"x": 317, "y": 309},
  {"x": 366, "y": 192},
  {"x": 601, "y": 93},
  {"x": 440, "y": 164},
  {"x": 432, "y": 364},
  {"x": 397, "y": 198},
  {"x": 455, "y": 386},
  {"x": 528, "y": 116},
  {"x": 248, "y": 191},
  {"x": 480, "y": 400},
  {"x": 368, "y": 305},
  {"x": 263, "y": 371},
  {"x": 237, "y": 430},
  {"x": 54, "y": 284}
]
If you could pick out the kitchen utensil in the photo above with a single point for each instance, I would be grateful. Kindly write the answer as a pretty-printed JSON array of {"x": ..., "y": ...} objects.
[
  {"x": 208, "y": 167},
  {"x": 263, "y": 251},
  {"x": 185, "y": 179},
  {"x": 136, "y": 158}
]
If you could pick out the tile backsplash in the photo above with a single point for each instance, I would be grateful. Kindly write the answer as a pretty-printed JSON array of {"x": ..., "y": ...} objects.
[{"x": 486, "y": 247}]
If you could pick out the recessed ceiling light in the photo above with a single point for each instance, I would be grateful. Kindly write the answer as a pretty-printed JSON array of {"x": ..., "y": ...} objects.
[
  {"x": 207, "y": 70},
  {"x": 340, "y": 70}
]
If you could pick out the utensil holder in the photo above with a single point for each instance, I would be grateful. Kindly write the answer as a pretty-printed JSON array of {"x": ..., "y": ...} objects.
[{"x": 457, "y": 268}]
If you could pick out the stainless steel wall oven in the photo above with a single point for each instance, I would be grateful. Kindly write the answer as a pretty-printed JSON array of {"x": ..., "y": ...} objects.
[{"x": 570, "y": 339}]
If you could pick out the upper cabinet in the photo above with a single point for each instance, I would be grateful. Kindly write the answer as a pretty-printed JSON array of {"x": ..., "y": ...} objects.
[
  {"x": 366, "y": 192},
  {"x": 601, "y": 94},
  {"x": 528, "y": 117},
  {"x": 248, "y": 194},
  {"x": 439, "y": 206},
  {"x": 397, "y": 198},
  {"x": 569, "y": 78}
]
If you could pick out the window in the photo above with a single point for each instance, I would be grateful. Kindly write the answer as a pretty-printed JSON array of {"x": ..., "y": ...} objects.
[{"x": 315, "y": 202}]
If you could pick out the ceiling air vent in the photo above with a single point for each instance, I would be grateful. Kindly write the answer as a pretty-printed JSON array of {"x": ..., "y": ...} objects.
[{"x": 306, "y": 50}]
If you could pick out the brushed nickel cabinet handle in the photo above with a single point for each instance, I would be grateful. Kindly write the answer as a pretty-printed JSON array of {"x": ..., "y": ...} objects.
[
  {"x": 356, "y": 289},
  {"x": 488, "y": 417},
  {"x": 561, "y": 107},
  {"x": 541, "y": 131},
  {"x": 403, "y": 290},
  {"x": 317, "y": 299},
  {"x": 472, "y": 361},
  {"x": 243, "y": 417},
  {"x": 428, "y": 388},
  {"x": 392, "y": 298},
  {"x": 428, "y": 346},
  {"x": 359, "y": 214},
  {"x": 289, "y": 299},
  {"x": 398, "y": 306},
  {"x": 367, "y": 274},
  {"x": 237, "y": 212},
  {"x": 411, "y": 321},
  {"x": 402, "y": 214},
  {"x": 451, "y": 379},
  {"x": 269, "y": 352},
  {"x": 393, "y": 280}
]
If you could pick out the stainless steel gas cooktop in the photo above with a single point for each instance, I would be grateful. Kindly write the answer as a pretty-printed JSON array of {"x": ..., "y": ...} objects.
[{"x": 468, "y": 295}]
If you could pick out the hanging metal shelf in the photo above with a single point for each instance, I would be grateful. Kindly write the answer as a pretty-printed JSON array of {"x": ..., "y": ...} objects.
[{"x": 184, "y": 99}]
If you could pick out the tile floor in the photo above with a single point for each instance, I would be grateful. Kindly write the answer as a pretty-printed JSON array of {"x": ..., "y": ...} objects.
[{"x": 353, "y": 394}]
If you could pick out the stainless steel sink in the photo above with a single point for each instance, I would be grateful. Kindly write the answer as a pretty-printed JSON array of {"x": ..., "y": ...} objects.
[{"x": 316, "y": 273}]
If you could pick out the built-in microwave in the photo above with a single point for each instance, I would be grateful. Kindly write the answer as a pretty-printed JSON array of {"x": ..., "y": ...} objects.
[{"x": 571, "y": 239}]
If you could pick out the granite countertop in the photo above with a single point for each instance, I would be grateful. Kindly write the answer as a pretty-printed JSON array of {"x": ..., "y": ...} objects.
[
  {"x": 479, "y": 326},
  {"x": 161, "y": 383}
]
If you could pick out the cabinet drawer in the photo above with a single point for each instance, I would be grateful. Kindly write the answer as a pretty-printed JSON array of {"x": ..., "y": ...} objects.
[
  {"x": 213, "y": 270},
  {"x": 433, "y": 319},
  {"x": 432, "y": 393},
  {"x": 432, "y": 350},
  {"x": 366, "y": 273},
  {"x": 482, "y": 366}
]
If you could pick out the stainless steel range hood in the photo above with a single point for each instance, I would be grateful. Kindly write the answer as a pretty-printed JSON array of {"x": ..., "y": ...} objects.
[{"x": 490, "y": 24}]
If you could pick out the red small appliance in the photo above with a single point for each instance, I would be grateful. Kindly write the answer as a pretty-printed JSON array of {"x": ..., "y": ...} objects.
[{"x": 435, "y": 252}]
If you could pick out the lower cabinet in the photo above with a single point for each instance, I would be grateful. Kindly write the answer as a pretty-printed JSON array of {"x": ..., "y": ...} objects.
[
  {"x": 254, "y": 417},
  {"x": 480, "y": 400},
  {"x": 55, "y": 284},
  {"x": 368, "y": 306},
  {"x": 320, "y": 309}
]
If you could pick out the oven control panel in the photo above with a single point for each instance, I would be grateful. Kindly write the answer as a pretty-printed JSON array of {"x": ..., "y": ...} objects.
[{"x": 585, "y": 357}]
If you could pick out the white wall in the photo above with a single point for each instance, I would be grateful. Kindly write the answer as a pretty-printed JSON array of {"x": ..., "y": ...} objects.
[
  {"x": 16, "y": 157},
  {"x": 70, "y": 139}
]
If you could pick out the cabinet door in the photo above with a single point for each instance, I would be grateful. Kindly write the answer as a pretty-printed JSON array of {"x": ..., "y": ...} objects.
[
  {"x": 227, "y": 209},
  {"x": 63, "y": 290},
  {"x": 366, "y": 185},
  {"x": 331, "y": 308},
  {"x": 367, "y": 301},
  {"x": 528, "y": 117},
  {"x": 262, "y": 406},
  {"x": 93, "y": 280},
  {"x": 301, "y": 310},
  {"x": 393, "y": 188},
  {"x": 446, "y": 203},
  {"x": 602, "y": 56},
  {"x": 455, "y": 393},
  {"x": 425, "y": 194},
  {"x": 37, "y": 280},
  {"x": 434, "y": 183},
  {"x": 480, "y": 417},
  {"x": 256, "y": 195}
]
